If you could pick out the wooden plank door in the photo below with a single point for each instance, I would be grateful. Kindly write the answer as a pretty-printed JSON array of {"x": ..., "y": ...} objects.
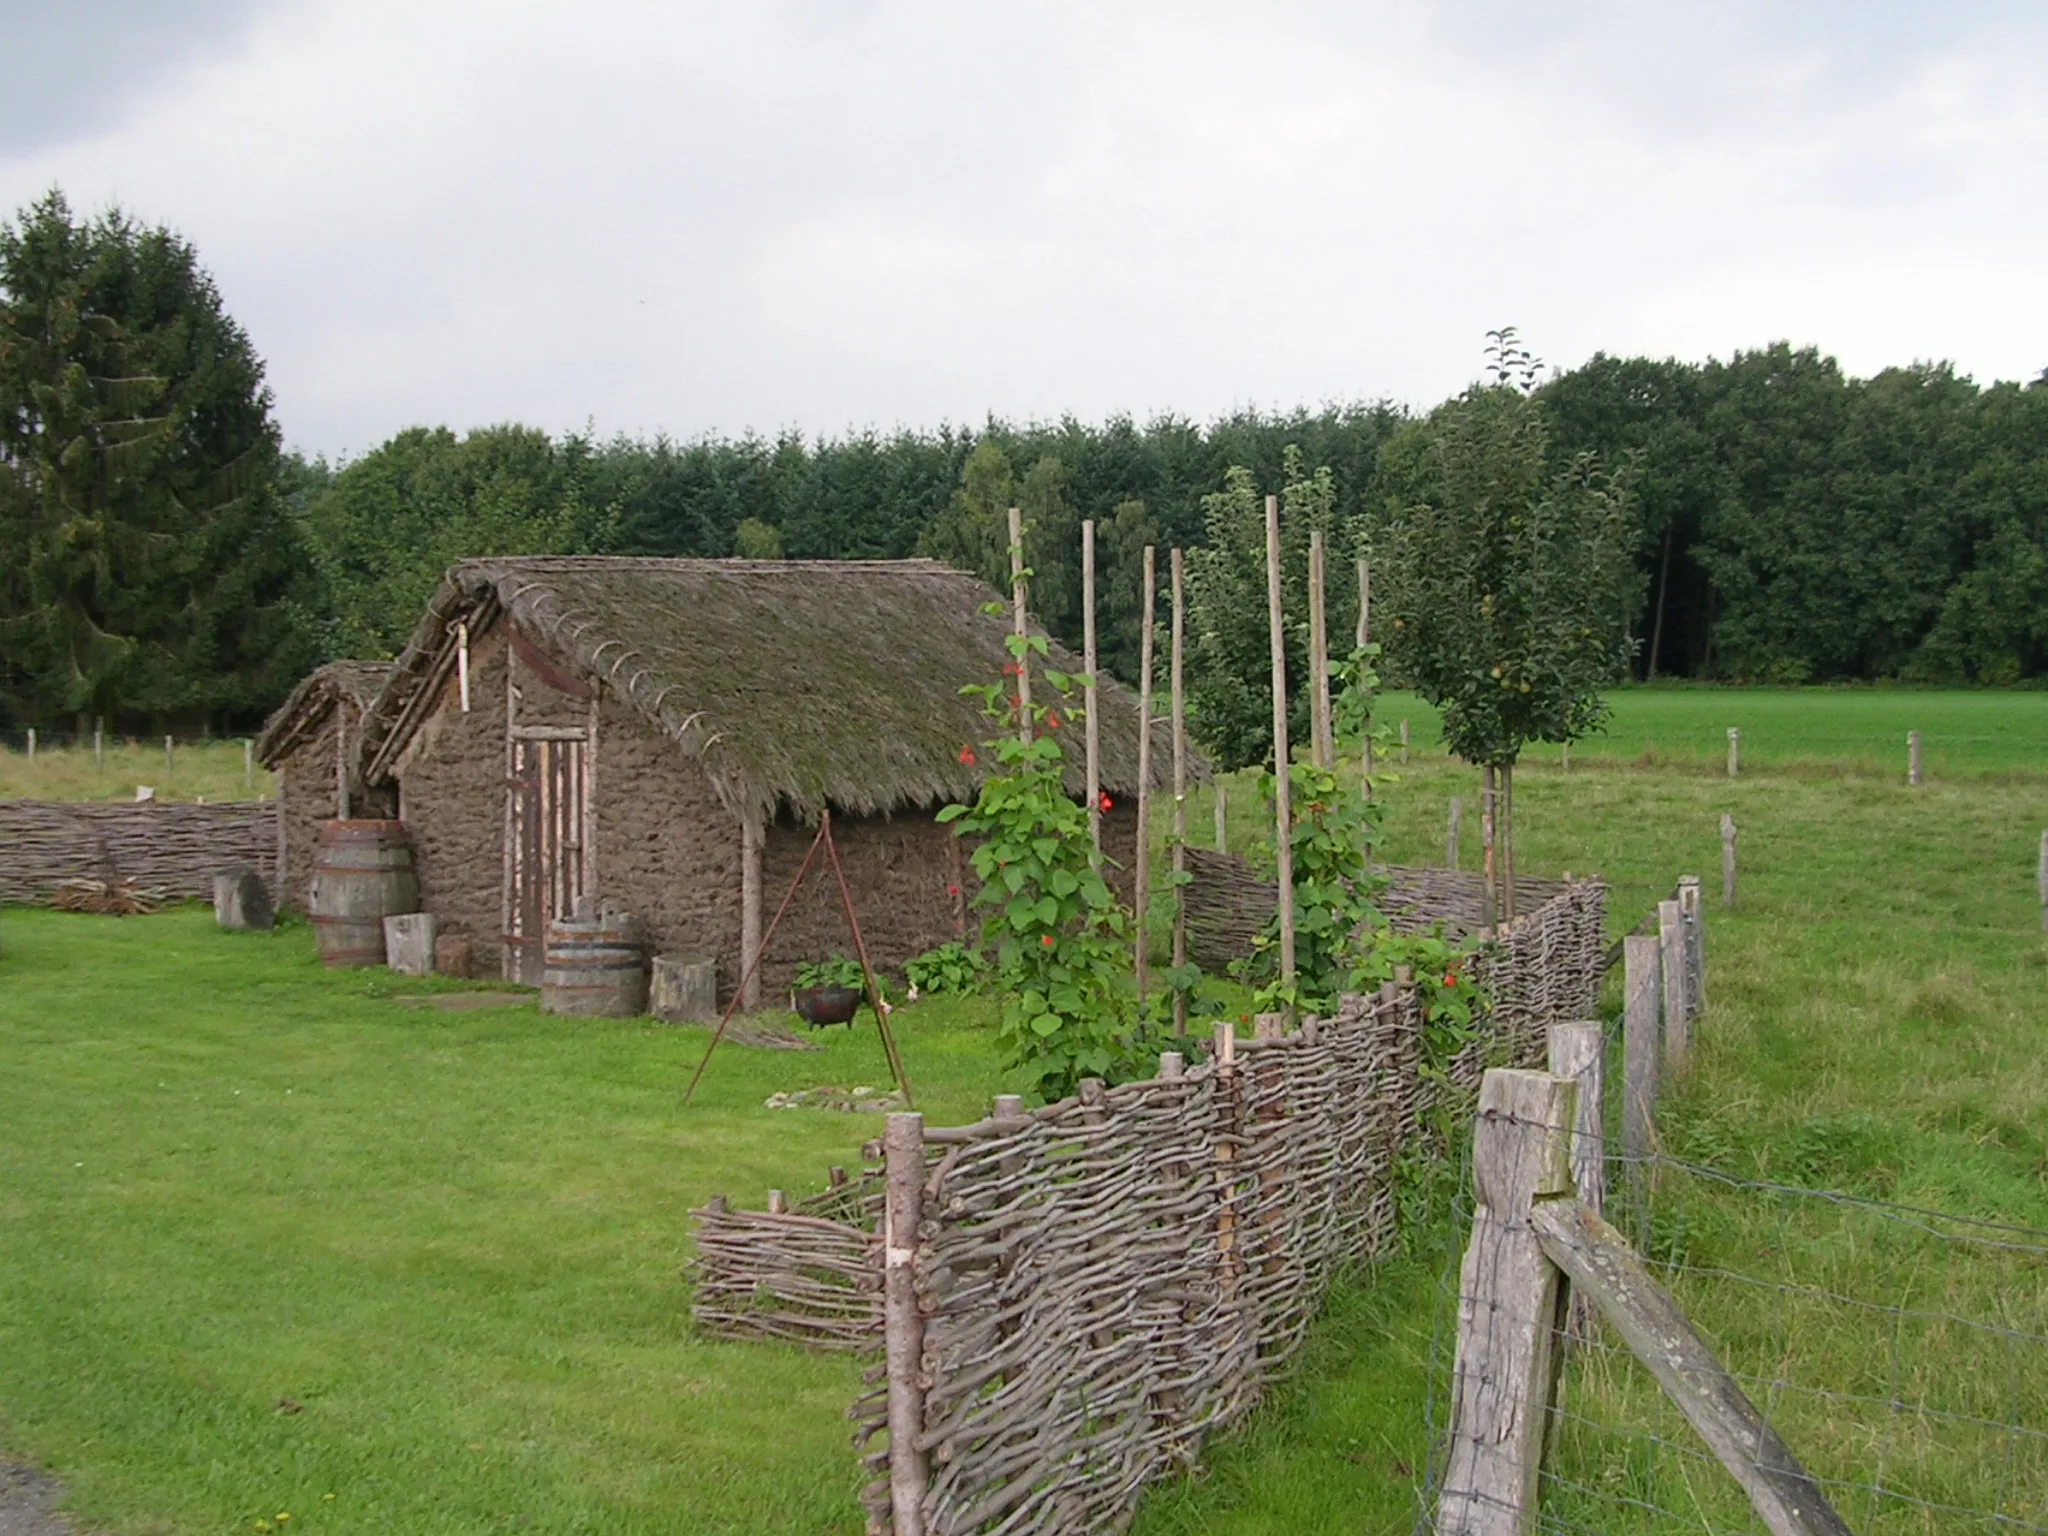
[{"x": 547, "y": 852}]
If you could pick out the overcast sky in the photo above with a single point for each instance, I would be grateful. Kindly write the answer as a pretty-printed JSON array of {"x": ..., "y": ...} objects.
[{"x": 702, "y": 218}]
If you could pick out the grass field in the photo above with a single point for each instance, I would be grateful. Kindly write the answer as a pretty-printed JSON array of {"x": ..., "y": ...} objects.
[
  {"x": 210, "y": 770},
  {"x": 231, "y": 1180}
]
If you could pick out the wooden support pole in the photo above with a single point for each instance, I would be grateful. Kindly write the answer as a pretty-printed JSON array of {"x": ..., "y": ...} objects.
[
  {"x": 1453, "y": 828},
  {"x": 1600, "y": 1264},
  {"x": 1577, "y": 1053},
  {"x": 1141, "y": 854},
  {"x": 1508, "y": 1295},
  {"x": 750, "y": 911},
  {"x": 1222, "y": 817},
  {"x": 1089, "y": 693},
  {"x": 2041, "y": 881},
  {"x": 1180, "y": 797},
  {"x": 1486, "y": 850},
  {"x": 1364, "y": 637},
  {"x": 1283, "y": 836},
  {"x": 1728, "y": 834},
  {"x": 1692, "y": 909},
  {"x": 1734, "y": 751},
  {"x": 341, "y": 805},
  {"x": 1642, "y": 982},
  {"x": 1019, "y": 622},
  {"x": 1404, "y": 741},
  {"x": 1671, "y": 961},
  {"x": 167, "y": 760},
  {"x": 248, "y": 763},
  {"x": 1913, "y": 775},
  {"x": 1564, "y": 756},
  {"x": 1322, "y": 750},
  {"x": 31, "y": 743},
  {"x": 99, "y": 737},
  {"x": 902, "y": 1322}
]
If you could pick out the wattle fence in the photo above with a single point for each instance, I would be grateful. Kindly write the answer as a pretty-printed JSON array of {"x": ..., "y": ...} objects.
[
  {"x": 1070, "y": 1300},
  {"x": 175, "y": 848}
]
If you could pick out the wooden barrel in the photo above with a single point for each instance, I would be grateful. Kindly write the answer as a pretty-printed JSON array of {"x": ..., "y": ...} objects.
[
  {"x": 595, "y": 967},
  {"x": 362, "y": 874}
]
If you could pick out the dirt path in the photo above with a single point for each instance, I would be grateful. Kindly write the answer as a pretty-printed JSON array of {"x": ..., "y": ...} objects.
[{"x": 28, "y": 1503}]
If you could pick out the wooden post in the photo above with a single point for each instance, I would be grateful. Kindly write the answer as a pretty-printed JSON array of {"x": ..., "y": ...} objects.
[
  {"x": 1180, "y": 800},
  {"x": 1364, "y": 639},
  {"x": 1671, "y": 961},
  {"x": 2041, "y": 881},
  {"x": 1641, "y": 981},
  {"x": 1913, "y": 776},
  {"x": 750, "y": 910},
  {"x": 902, "y": 1323},
  {"x": 1734, "y": 751},
  {"x": 99, "y": 735},
  {"x": 1486, "y": 864},
  {"x": 1577, "y": 1053},
  {"x": 1088, "y": 693},
  {"x": 1019, "y": 622},
  {"x": 248, "y": 763},
  {"x": 1728, "y": 832},
  {"x": 1141, "y": 855},
  {"x": 1222, "y": 817},
  {"x": 1404, "y": 741},
  {"x": 1601, "y": 1265},
  {"x": 31, "y": 743},
  {"x": 341, "y": 805},
  {"x": 1322, "y": 750},
  {"x": 1507, "y": 1309},
  {"x": 1452, "y": 830},
  {"x": 167, "y": 763},
  {"x": 1692, "y": 908},
  {"x": 1283, "y": 838},
  {"x": 1564, "y": 756}
]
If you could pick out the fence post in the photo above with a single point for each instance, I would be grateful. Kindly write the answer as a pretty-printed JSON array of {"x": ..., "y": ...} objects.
[
  {"x": 2041, "y": 881},
  {"x": 1671, "y": 956},
  {"x": 167, "y": 755},
  {"x": 31, "y": 743},
  {"x": 1451, "y": 833},
  {"x": 902, "y": 1323},
  {"x": 1640, "y": 987},
  {"x": 1734, "y": 751},
  {"x": 248, "y": 763},
  {"x": 1507, "y": 1309},
  {"x": 1691, "y": 907},
  {"x": 99, "y": 734},
  {"x": 1728, "y": 834},
  {"x": 1222, "y": 817},
  {"x": 1578, "y": 1055},
  {"x": 1404, "y": 741},
  {"x": 1913, "y": 774}
]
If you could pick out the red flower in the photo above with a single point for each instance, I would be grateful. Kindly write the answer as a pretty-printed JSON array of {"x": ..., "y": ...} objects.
[
  {"x": 1450, "y": 978},
  {"x": 1052, "y": 721},
  {"x": 967, "y": 756},
  {"x": 1107, "y": 803},
  {"x": 1046, "y": 940},
  {"x": 1011, "y": 669},
  {"x": 952, "y": 890}
]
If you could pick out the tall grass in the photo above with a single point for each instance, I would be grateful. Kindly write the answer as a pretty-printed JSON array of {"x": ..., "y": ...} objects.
[{"x": 203, "y": 770}]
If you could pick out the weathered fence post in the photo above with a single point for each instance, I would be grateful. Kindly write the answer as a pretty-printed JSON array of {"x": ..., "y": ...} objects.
[
  {"x": 1577, "y": 1053},
  {"x": 1734, "y": 751},
  {"x": 1404, "y": 741},
  {"x": 1641, "y": 983},
  {"x": 1728, "y": 834},
  {"x": 902, "y": 1323},
  {"x": 1693, "y": 911},
  {"x": 167, "y": 760},
  {"x": 2041, "y": 881},
  {"x": 1564, "y": 756},
  {"x": 99, "y": 738},
  {"x": 1671, "y": 956},
  {"x": 1913, "y": 775},
  {"x": 1451, "y": 831},
  {"x": 31, "y": 743},
  {"x": 1222, "y": 817},
  {"x": 1507, "y": 1309},
  {"x": 248, "y": 763}
]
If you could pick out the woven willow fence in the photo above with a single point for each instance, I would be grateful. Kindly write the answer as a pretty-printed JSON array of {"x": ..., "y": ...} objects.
[
  {"x": 1072, "y": 1299},
  {"x": 177, "y": 848}
]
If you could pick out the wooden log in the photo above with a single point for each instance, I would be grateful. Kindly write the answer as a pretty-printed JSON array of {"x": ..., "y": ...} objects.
[
  {"x": 1019, "y": 623},
  {"x": 1913, "y": 775},
  {"x": 1692, "y": 909},
  {"x": 1364, "y": 638},
  {"x": 1728, "y": 834},
  {"x": 1601, "y": 1264},
  {"x": 750, "y": 910},
  {"x": 902, "y": 1323},
  {"x": 1508, "y": 1294},
  {"x": 1088, "y": 691},
  {"x": 1642, "y": 981},
  {"x": 1671, "y": 961},
  {"x": 1734, "y": 751},
  {"x": 684, "y": 989},
  {"x": 1452, "y": 830},
  {"x": 1141, "y": 855},
  {"x": 1180, "y": 794},
  {"x": 1283, "y": 837},
  {"x": 409, "y": 943},
  {"x": 1322, "y": 747}
]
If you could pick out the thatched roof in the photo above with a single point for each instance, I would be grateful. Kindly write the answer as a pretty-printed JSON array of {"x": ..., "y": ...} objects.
[
  {"x": 803, "y": 683},
  {"x": 307, "y": 709}
]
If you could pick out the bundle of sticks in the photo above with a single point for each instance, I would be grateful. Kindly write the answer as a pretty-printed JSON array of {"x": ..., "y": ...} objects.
[{"x": 116, "y": 898}]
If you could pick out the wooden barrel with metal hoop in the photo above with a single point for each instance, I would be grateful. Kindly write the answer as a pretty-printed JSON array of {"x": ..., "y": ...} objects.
[
  {"x": 596, "y": 966},
  {"x": 362, "y": 874}
]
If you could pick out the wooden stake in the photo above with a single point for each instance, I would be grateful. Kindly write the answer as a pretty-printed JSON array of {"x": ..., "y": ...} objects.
[
  {"x": 1728, "y": 834},
  {"x": 1577, "y": 1054},
  {"x": 1180, "y": 800},
  {"x": 1452, "y": 831},
  {"x": 341, "y": 805},
  {"x": 902, "y": 1321},
  {"x": 31, "y": 743},
  {"x": 1404, "y": 741},
  {"x": 1222, "y": 817},
  {"x": 1019, "y": 622},
  {"x": 1913, "y": 775},
  {"x": 99, "y": 734},
  {"x": 1734, "y": 751},
  {"x": 1641, "y": 983},
  {"x": 1283, "y": 838},
  {"x": 1141, "y": 877},
  {"x": 1692, "y": 912},
  {"x": 1088, "y": 695},
  {"x": 1508, "y": 1296},
  {"x": 167, "y": 756},
  {"x": 1671, "y": 962},
  {"x": 1486, "y": 851},
  {"x": 1564, "y": 755},
  {"x": 2041, "y": 881},
  {"x": 1504, "y": 838},
  {"x": 1322, "y": 750},
  {"x": 248, "y": 763},
  {"x": 1365, "y": 639},
  {"x": 750, "y": 911}
]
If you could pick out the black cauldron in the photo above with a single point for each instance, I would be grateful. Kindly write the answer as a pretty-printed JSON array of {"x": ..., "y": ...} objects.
[{"x": 826, "y": 1005}]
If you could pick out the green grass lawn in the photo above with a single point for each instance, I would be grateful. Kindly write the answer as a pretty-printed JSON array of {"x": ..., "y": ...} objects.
[
  {"x": 230, "y": 1180},
  {"x": 210, "y": 771}
]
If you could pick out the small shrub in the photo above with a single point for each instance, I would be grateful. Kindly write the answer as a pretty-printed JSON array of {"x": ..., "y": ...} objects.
[
  {"x": 834, "y": 971},
  {"x": 949, "y": 968}
]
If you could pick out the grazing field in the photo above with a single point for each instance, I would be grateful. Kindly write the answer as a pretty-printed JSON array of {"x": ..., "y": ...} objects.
[
  {"x": 208, "y": 770},
  {"x": 266, "y": 1235}
]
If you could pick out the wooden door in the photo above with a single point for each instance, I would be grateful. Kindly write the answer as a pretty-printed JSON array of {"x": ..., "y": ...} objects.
[{"x": 547, "y": 853}]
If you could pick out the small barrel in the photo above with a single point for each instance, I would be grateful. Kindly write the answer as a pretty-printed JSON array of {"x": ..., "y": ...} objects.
[
  {"x": 596, "y": 967},
  {"x": 362, "y": 874}
]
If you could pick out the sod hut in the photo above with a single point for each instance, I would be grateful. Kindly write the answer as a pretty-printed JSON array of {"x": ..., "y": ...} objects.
[
  {"x": 313, "y": 743},
  {"x": 663, "y": 735}
]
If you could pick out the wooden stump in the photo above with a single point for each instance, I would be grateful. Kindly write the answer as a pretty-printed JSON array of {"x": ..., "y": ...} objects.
[
  {"x": 241, "y": 903},
  {"x": 685, "y": 989},
  {"x": 409, "y": 943},
  {"x": 454, "y": 955}
]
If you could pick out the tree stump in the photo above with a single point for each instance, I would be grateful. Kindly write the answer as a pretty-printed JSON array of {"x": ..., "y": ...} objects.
[
  {"x": 685, "y": 989},
  {"x": 241, "y": 902},
  {"x": 453, "y": 955},
  {"x": 409, "y": 943}
]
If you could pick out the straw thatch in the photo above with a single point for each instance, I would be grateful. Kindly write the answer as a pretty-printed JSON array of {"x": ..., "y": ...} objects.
[
  {"x": 802, "y": 682},
  {"x": 314, "y": 699}
]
